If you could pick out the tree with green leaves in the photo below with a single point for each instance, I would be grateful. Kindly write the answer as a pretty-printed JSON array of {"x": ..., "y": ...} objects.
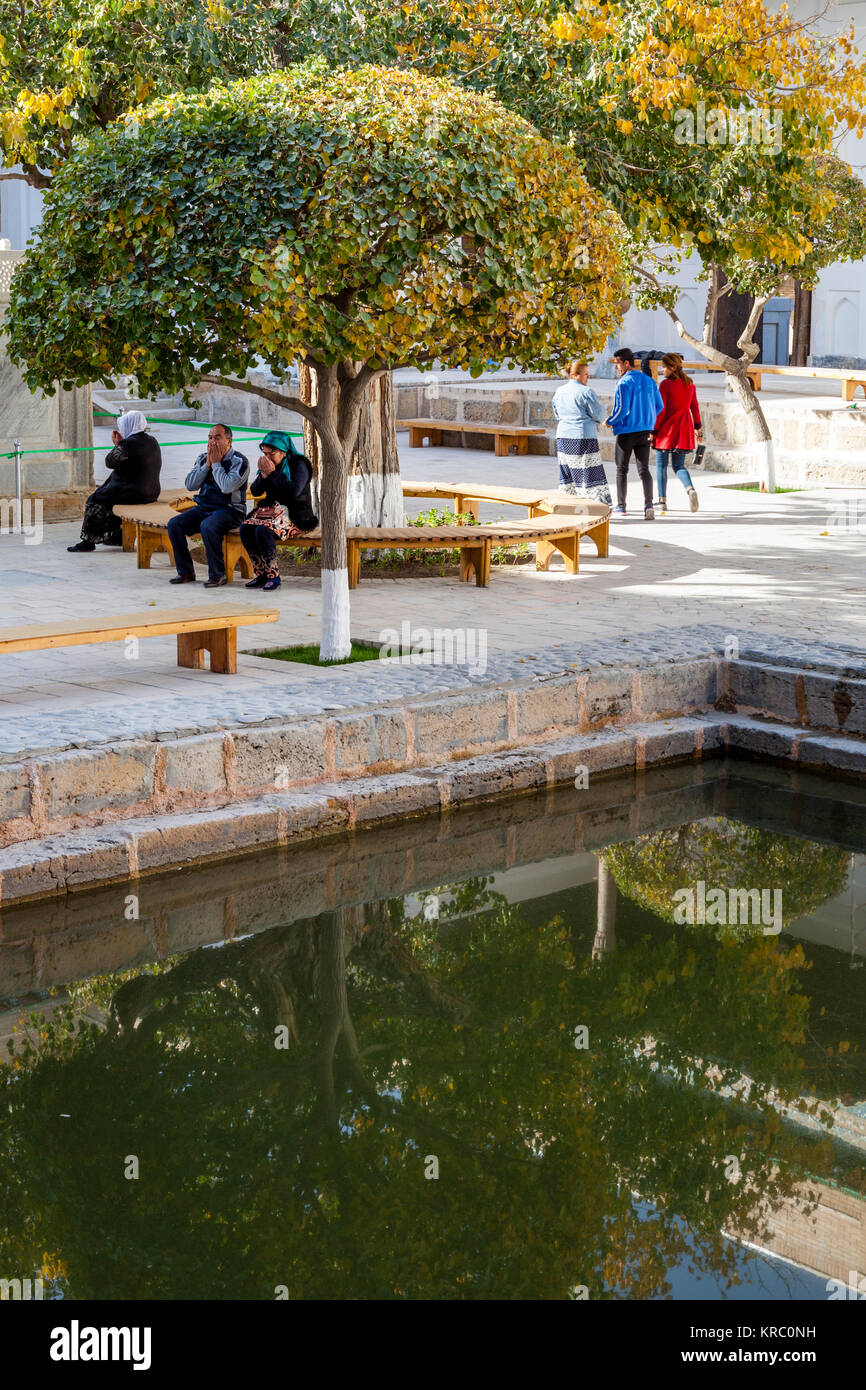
[
  {"x": 68, "y": 67},
  {"x": 356, "y": 220},
  {"x": 621, "y": 86}
]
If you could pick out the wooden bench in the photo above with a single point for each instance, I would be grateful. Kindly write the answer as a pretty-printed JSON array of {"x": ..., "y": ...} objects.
[
  {"x": 148, "y": 525},
  {"x": 754, "y": 373},
  {"x": 503, "y": 435},
  {"x": 475, "y": 543},
  {"x": 466, "y": 497},
  {"x": 207, "y": 629},
  {"x": 850, "y": 379}
]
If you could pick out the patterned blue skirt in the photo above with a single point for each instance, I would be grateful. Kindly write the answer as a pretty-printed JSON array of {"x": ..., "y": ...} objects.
[{"x": 581, "y": 471}]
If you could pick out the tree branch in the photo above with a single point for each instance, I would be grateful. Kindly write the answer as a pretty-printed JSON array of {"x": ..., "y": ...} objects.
[{"x": 309, "y": 412}]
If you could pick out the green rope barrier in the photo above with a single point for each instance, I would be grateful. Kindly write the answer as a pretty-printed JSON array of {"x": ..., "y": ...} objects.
[{"x": 169, "y": 444}]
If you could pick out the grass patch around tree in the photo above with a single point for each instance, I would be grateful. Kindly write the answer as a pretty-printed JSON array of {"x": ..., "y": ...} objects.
[{"x": 308, "y": 654}]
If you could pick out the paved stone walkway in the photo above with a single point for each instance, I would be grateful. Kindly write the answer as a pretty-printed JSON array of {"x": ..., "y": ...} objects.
[{"x": 779, "y": 565}]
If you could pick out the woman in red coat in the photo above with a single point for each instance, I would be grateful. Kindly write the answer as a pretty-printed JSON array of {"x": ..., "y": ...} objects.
[{"x": 676, "y": 427}]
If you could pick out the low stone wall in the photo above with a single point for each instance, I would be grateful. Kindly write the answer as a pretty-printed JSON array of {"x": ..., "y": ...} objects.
[
  {"x": 112, "y": 811},
  {"x": 813, "y": 444}
]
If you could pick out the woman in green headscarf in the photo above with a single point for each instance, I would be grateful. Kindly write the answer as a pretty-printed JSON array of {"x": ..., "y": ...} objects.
[{"x": 283, "y": 481}]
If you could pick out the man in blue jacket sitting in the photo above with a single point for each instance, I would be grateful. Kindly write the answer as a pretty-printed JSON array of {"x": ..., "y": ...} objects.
[
  {"x": 220, "y": 477},
  {"x": 636, "y": 407}
]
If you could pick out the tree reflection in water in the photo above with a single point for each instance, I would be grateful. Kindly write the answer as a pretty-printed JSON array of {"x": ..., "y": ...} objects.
[{"x": 304, "y": 1167}]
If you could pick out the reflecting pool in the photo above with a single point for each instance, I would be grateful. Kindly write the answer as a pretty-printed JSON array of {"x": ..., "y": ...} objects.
[{"x": 548, "y": 1048}]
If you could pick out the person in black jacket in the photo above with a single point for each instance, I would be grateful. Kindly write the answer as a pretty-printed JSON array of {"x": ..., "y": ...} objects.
[
  {"x": 283, "y": 480},
  {"x": 135, "y": 463}
]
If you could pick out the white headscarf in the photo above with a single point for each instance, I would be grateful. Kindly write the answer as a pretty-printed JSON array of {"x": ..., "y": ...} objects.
[{"x": 131, "y": 423}]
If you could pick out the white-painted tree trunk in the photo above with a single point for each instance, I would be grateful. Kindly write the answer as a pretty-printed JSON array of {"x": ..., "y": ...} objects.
[
  {"x": 336, "y": 641},
  {"x": 766, "y": 455},
  {"x": 372, "y": 499}
]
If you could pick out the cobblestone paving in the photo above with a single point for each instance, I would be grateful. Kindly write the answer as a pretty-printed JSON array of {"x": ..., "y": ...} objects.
[{"x": 779, "y": 569}]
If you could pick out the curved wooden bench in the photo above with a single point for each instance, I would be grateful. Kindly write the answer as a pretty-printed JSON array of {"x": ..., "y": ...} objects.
[
  {"x": 551, "y": 502},
  {"x": 148, "y": 523},
  {"x": 475, "y": 543}
]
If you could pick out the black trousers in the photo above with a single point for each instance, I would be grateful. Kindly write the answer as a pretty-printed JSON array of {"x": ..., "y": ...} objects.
[{"x": 639, "y": 444}]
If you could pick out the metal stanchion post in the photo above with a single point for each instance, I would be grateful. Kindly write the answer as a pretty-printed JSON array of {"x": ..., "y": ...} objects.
[{"x": 17, "y": 528}]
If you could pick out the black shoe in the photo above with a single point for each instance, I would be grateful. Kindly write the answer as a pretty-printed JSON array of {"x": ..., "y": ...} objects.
[
  {"x": 257, "y": 583},
  {"x": 82, "y": 548},
  {"x": 183, "y": 579},
  {"x": 215, "y": 583}
]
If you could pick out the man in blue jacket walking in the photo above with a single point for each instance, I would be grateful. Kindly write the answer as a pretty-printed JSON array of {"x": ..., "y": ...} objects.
[{"x": 636, "y": 407}]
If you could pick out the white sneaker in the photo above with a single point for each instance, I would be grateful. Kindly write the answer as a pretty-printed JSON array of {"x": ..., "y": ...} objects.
[
  {"x": 649, "y": 514},
  {"x": 693, "y": 498}
]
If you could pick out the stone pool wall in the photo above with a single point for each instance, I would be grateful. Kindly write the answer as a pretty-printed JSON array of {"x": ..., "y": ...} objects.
[{"x": 119, "y": 808}]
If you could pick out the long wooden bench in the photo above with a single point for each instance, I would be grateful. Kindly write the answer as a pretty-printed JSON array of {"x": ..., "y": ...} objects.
[
  {"x": 503, "y": 435},
  {"x": 206, "y": 629},
  {"x": 475, "y": 543},
  {"x": 466, "y": 497},
  {"x": 850, "y": 380},
  {"x": 560, "y": 533}
]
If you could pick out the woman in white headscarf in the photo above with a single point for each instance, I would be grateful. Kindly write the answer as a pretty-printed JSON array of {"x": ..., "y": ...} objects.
[{"x": 135, "y": 463}]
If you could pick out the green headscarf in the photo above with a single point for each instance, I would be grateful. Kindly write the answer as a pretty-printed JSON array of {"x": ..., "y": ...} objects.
[{"x": 278, "y": 439}]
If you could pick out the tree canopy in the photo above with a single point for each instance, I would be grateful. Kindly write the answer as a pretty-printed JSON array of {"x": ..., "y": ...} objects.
[
  {"x": 371, "y": 216},
  {"x": 68, "y": 67}
]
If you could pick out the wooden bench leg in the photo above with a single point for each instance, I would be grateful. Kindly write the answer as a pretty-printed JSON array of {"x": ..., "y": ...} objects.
[
  {"x": 601, "y": 536},
  {"x": 150, "y": 542},
  {"x": 416, "y": 438},
  {"x": 353, "y": 563},
  {"x": 522, "y": 443},
  {"x": 475, "y": 560},
  {"x": 234, "y": 554},
  {"x": 569, "y": 549},
  {"x": 500, "y": 445},
  {"x": 222, "y": 645},
  {"x": 543, "y": 554},
  {"x": 128, "y": 529},
  {"x": 755, "y": 379},
  {"x": 466, "y": 506},
  {"x": 849, "y": 388}
]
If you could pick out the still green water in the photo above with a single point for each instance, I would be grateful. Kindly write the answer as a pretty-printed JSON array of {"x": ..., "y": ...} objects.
[{"x": 468, "y": 1058}]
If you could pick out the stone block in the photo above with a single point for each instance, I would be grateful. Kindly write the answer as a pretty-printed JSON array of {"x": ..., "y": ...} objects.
[
  {"x": 462, "y": 723},
  {"x": 14, "y": 797},
  {"x": 400, "y": 794},
  {"x": 752, "y": 738},
  {"x": 489, "y": 410},
  {"x": 365, "y": 740},
  {"x": 770, "y": 690},
  {"x": 550, "y": 704},
  {"x": 833, "y": 704},
  {"x": 846, "y": 755},
  {"x": 195, "y": 764},
  {"x": 280, "y": 756},
  {"x": 166, "y": 841},
  {"x": 494, "y": 774},
  {"x": 541, "y": 413},
  {"x": 677, "y": 688},
  {"x": 598, "y": 753},
  {"x": 663, "y": 743},
  {"x": 78, "y": 783},
  {"x": 607, "y": 696}
]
